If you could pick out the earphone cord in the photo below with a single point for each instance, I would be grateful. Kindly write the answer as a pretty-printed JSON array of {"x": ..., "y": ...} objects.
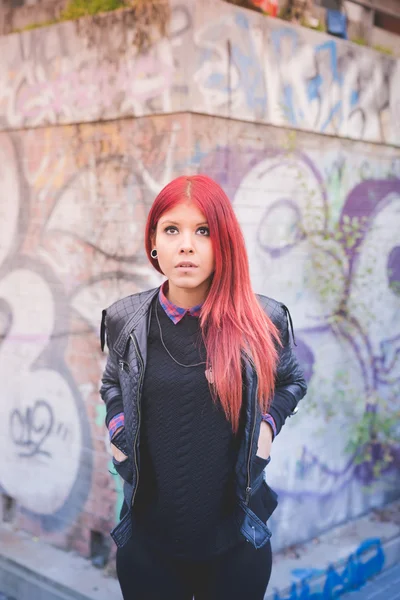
[{"x": 166, "y": 349}]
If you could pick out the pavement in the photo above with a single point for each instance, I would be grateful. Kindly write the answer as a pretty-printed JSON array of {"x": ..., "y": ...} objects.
[
  {"x": 385, "y": 586},
  {"x": 31, "y": 569},
  {"x": 334, "y": 548}
]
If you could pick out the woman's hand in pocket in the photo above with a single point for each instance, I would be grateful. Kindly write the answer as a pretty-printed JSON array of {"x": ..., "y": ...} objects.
[
  {"x": 117, "y": 453},
  {"x": 264, "y": 440}
]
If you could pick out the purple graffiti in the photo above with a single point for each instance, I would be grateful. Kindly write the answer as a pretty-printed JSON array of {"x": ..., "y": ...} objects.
[
  {"x": 393, "y": 270},
  {"x": 362, "y": 206}
]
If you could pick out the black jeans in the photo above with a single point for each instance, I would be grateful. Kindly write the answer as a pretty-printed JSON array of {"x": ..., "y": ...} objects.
[{"x": 241, "y": 573}]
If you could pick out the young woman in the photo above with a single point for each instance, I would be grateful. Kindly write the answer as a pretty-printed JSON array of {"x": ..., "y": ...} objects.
[{"x": 200, "y": 378}]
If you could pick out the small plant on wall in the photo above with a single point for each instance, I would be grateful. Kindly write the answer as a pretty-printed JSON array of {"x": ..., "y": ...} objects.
[
  {"x": 334, "y": 246},
  {"x": 383, "y": 49},
  {"x": 296, "y": 11},
  {"x": 376, "y": 437},
  {"x": 76, "y": 9},
  {"x": 360, "y": 41},
  {"x": 146, "y": 17}
]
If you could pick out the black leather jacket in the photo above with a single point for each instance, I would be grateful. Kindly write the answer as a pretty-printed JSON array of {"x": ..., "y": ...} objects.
[{"x": 125, "y": 324}]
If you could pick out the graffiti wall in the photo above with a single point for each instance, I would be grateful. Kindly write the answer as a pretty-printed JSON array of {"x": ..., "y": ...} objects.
[
  {"x": 90, "y": 131},
  {"x": 217, "y": 59},
  {"x": 321, "y": 226},
  {"x": 65, "y": 251},
  {"x": 320, "y": 217}
]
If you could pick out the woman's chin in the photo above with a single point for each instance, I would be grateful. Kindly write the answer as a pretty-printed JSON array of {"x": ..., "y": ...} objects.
[{"x": 186, "y": 281}]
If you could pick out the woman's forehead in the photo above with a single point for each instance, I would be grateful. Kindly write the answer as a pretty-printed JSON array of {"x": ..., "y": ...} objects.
[{"x": 185, "y": 211}]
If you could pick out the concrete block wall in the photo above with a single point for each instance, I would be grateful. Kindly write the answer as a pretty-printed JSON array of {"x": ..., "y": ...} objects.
[
  {"x": 91, "y": 131},
  {"x": 218, "y": 59},
  {"x": 16, "y": 16}
]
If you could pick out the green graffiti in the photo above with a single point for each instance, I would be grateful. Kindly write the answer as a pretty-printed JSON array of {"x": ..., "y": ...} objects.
[
  {"x": 119, "y": 490},
  {"x": 118, "y": 483},
  {"x": 100, "y": 414}
]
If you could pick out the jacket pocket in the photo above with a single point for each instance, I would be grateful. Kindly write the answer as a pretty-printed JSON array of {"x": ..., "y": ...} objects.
[
  {"x": 257, "y": 469},
  {"x": 269, "y": 500},
  {"x": 252, "y": 528},
  {"x": 263, "y": 502},
  {"x": 122, "y": 533},
  {"x": 260, "y": 461},
  {"x": 123, "y": 469}
]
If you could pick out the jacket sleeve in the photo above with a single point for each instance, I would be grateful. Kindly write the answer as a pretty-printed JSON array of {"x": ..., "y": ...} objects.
[
  {"x": 110, "y": 390},
  {"x": 115, "y": 424},
  {"x": 290, "y": 385}
]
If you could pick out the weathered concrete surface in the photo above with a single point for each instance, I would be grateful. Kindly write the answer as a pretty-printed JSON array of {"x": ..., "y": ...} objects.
[
  {"x": 33, "y": 570},
  {"x": 13, "y": 17},
  {"x": 384, "y": 587},
  {"x": 217, "y": 59},
  {"x": 334, "y": 547}
]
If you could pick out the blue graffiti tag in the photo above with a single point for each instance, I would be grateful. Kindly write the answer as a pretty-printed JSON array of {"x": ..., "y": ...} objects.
[{"x": 359, "y": 568}]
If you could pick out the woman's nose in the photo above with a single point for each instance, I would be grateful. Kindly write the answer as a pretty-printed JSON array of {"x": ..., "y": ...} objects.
[
  {"x": 186, "y": 245},
  {"x": 185, "y": 249}
]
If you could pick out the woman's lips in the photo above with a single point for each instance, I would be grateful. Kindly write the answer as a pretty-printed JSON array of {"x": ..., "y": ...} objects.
[
  {"x": 186, "y": 266},
  {"x": 186, "y": 269}
]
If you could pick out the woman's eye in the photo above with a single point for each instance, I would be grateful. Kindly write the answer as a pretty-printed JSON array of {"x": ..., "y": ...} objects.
[
  {"x": 170, "y": 229},
  {"x": 204, "y": 230}
]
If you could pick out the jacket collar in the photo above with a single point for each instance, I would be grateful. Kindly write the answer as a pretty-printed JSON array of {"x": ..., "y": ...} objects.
[
  {"x": 141, "y": 309},
  {"x": 144, "y": 305}
]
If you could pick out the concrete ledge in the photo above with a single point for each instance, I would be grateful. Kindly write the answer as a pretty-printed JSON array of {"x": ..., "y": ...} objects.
[
  {"x": 22, "y": 584},
  {"x": 34, "y": 570}
]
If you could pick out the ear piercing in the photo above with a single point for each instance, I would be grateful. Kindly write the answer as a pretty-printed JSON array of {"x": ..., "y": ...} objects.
[{"x": 153, "y": 253}]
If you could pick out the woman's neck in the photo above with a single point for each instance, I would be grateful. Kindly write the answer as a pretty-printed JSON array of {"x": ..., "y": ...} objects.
[{"x": 187, "y": 297}]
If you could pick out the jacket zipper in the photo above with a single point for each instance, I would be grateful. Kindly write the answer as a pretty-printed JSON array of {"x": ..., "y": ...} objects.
[
  {"x": 123, "y": 366},
  {"x": 248, "y": 487},
  {"x": 133, "y": 338}
]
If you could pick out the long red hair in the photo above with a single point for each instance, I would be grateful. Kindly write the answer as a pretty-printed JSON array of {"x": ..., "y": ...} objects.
[{"x": 231, "y": 319}]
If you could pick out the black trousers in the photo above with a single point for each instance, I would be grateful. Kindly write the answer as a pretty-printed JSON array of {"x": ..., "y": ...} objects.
[{"x": 241, "y": 573}]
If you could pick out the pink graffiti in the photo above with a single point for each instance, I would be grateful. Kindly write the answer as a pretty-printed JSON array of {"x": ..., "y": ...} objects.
[{"x": 117, "y": 84}]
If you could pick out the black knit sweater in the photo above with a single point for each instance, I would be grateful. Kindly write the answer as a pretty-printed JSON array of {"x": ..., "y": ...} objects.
[{"x": 185, "y": 498}]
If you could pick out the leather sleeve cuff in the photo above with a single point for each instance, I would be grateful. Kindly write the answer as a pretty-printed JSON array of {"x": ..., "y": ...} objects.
[
  {"x": 270, "y": 420},
  {"x": 119, "y": 441}
]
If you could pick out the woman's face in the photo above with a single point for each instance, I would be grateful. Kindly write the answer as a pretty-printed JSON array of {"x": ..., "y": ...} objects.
[{"x": 183, "y": 244}]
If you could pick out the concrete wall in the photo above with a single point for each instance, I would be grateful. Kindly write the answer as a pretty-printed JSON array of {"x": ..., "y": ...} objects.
[
  {"x": 386, "y": 39},
  {"x": 76, "y": 188},
  {"x": 218, "y": 60}
]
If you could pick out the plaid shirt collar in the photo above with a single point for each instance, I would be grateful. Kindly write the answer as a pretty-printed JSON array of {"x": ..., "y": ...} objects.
[{"x": 176, "y": 313}]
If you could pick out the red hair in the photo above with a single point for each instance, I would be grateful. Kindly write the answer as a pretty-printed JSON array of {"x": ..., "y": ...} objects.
[{"x": 231, "y": 319}]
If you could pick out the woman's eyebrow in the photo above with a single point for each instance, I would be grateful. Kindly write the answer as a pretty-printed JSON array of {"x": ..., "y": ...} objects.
[{"x": 162, "y": 222}]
